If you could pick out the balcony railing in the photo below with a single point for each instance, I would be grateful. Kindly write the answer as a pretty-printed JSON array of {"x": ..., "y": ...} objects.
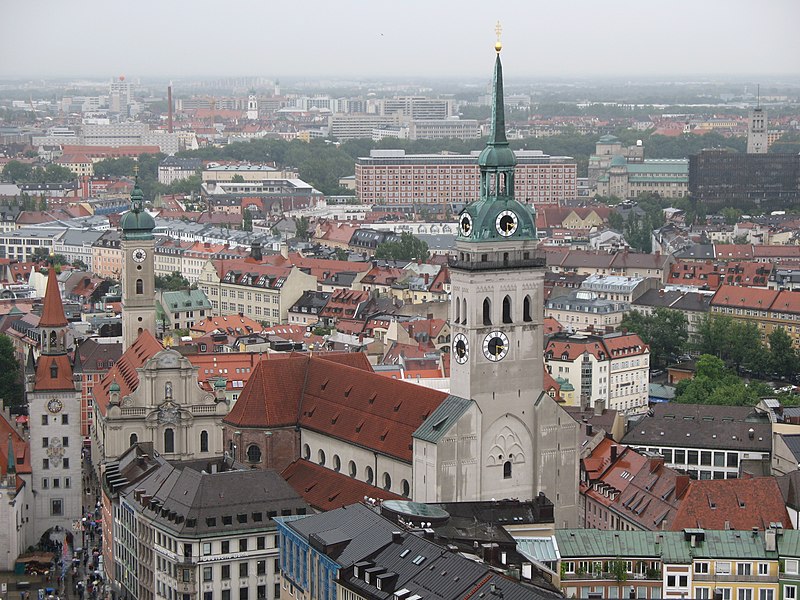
[
  {"x": 606, "y": 575},
  {"x": 754, "y": 579},
  {"x": 491, "y": 265}
]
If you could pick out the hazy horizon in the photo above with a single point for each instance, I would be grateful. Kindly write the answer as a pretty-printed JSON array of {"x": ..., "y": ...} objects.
[{"x": 711, "y": 39}]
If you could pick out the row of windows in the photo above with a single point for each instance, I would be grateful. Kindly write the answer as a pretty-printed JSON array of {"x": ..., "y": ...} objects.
[{"x": 352, "y": 469}]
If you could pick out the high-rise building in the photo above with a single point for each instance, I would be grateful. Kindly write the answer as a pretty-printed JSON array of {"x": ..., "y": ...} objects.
[
  {"x": 757, "y": 142},
  {"x": 411, "y": 182}
]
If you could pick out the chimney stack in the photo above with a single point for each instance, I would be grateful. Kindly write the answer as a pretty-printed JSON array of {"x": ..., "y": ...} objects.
[
  {"x": 589, "y": 429},
  {"x": 255, "y": 251},
  {"x": 599, "y": 407},
  {"x": 681, "y": 484},
  {"x": 614, "y": 453}
]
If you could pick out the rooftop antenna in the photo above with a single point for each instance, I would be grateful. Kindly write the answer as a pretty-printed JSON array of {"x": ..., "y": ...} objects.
[{"x": 758, "y": 95}]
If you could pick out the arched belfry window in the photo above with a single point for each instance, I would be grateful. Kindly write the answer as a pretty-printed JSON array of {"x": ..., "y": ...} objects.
[
  {"x": 139, "y": 286},
  {"x": 53, "y": 339},
  {"x": 487, "y": 311},
  {"x": 526, "y": 309},
  {"x": 458, "y": 310},
  {"x": 507, "y": 310},
  {"x": 203, "y": 441},
  {"x": 133, "y": 439},
  {"x": 464, "y": 313}
]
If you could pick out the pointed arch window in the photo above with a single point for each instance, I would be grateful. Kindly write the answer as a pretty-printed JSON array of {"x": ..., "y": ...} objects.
[
  {"x": 526, "y": 309},
  {"x": 204, "y": 441},
  {"x": 507, "y": 470},
  {"x": 464, "y": 313},
  {"x": 133, "y": 439},
  {"x": 507, "y": 310},
  {"x": 458, "y": 310},
  {"x": 139, "y": 286},
  {"x": 487, "y": 311},
  {"x": 169, "y": 440}
]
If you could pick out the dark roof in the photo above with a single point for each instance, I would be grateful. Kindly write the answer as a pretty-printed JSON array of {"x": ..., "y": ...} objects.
[
  {"x": 793, "y": 443},
  {"x": 657, "y": 298},
  {"x": 702, "y": 426},
  {"x": 95, "y": 357},
  {"x": 198, "y": 502},
  {"x": 697, "y": 252}
]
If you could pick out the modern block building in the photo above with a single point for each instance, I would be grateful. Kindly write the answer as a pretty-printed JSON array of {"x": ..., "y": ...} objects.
[{"x": 412, "y": 182}]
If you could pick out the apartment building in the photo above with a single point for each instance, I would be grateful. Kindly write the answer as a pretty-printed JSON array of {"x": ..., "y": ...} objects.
[
  {"x": 612, "y": 368},
  {"x": 768, "y": 309},
  {"x": 706, "y": 441},
  {"x": 254, "y": 289},
  {"x": 23, "y": 244},
  {"x": 196, "y": 530},
  {"x": 107, "y": 255},
  {"x": 586, "y": 311},
  {"x": 417, "y": 107},
  {"x": 411, "y": 182}
]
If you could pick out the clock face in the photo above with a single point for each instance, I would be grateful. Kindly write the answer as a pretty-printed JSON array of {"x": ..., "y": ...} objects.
[
  {"x": 506, "y": 223},
  {"x": 139, "y": 255},
  {"x": 465, "y": 224},
  {"x": 461, "y": 348},
  {"x": 495, "y": 346},
  {"x": 55, "y": 405}
]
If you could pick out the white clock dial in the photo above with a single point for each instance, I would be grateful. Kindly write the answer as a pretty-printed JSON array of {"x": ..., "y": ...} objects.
[
  {"x": 506, "y": 223},
  {"x": 139, "y": 255},
  {"x": 461, "y": 348},
  {"x": 465, "y": 224},
  {"x": 495, "y": 346},
  {"x": 55, "y": 405}
]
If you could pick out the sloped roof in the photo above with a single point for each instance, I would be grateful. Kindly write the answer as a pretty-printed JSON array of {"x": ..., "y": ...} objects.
[
  {"x": 325, "y": 489},
  {"x": 53, "y": 309},
  {"x": 63, "y": 373},
  {"x": 336, "y": 396},
  {"x": 124, "y": 371},
  {"x": 442, "y": 419},
  {"x": 741, "y": 503}
]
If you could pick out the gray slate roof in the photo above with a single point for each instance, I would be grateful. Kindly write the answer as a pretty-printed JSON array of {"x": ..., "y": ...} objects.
[{"x": 442, "y": 419}]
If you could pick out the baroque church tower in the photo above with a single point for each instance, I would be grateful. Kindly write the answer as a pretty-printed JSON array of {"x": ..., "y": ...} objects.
[
  {"x": 53, "y": 395},
  {"x": 138, "y": 272},
  {"x": 525, "y": 443}
]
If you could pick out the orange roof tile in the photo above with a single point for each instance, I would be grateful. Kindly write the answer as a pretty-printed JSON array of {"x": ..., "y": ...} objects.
[{"x": 54, "y": 373}]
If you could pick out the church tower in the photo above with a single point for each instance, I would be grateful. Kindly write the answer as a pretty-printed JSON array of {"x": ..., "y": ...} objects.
[
  {"x": 252, "y": 107},
  {"x": 138, "y": 271},
  {"x": 496, "y": 310},
  {"x": 53, "y": 395}
]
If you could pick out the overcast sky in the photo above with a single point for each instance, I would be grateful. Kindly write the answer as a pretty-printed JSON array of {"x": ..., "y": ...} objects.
[{"x": 400, "y": 38}]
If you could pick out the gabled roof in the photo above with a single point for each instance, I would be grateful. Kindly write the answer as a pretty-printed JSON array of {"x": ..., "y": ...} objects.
[
  {"x": 54, "y": 373},
  {"x": 336, "y": 395},
  {"x": 124, "y": 371},
  {"x": 325, "y": 489}
]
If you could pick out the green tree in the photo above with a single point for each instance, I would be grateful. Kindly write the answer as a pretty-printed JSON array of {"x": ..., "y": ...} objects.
[
  {"x": 172, "y": 282},
  {"x": 714, "y": 384},
  {"x": 783, "y": 358},
  {"x": 79, "y": 264},
  {"x": 301, "y": 225},
  {"x": 616, "y": 221},
  {"x": 16, "y": 171},
  {"x": 407, "y": 247},
  {"x": 341, "y": 254},
  {"x": 247, "y": 220},
  {"x": 115, "y": 167},
  {"x": 736, "y": 342},
  {"x": 237, "y": 179},
  {"x": 666, "y": 331},
  {"x": 731, "y": 215},
  {"x": 10, "y": 380}
]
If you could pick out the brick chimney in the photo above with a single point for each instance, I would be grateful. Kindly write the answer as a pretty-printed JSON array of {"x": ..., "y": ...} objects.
[{"x": 255, "y": 251}]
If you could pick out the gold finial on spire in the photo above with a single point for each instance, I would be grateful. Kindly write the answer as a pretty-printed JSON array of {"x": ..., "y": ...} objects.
[
  {"x": 498, "y": 45},
  {"x": 136, "y": 170}
]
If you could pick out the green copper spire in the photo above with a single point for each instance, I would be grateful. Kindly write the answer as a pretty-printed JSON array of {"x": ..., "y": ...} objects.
[
  {"x": 497, "y": 153},
  {"x": 137, "y": 224}
]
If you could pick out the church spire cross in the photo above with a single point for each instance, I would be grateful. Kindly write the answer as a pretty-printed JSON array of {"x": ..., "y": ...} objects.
[{"x": 498, "y": 133}]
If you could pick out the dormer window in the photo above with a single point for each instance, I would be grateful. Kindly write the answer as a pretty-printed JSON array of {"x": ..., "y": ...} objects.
[{"x": 53, "y": 371}]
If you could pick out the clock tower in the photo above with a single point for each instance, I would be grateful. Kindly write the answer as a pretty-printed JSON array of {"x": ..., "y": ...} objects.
[
  {"x": 138, "y": 271},
  {"x": 497, "y": 282},
  {"x": 54, "y": 408}
]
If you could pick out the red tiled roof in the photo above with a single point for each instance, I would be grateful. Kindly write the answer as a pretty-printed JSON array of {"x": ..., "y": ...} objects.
[
  {"x": 325, "y": 489},
  {"x": 63, "y": 373},
  {"x": 124, "y": 371},
  {"x": 344, "y": 401},
  {"x": 21, "y": 448},
  {"x": 53, "y": 309},
  {"x": 233, "y": 322},
  {"x": 741, "y": 251},
  {"x": 740, "y": 504},
  {"x": 744, "y": 297}
]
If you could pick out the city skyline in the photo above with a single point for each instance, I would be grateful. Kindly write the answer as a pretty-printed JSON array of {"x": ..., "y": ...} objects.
[{"x": 246, "y": 38}]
